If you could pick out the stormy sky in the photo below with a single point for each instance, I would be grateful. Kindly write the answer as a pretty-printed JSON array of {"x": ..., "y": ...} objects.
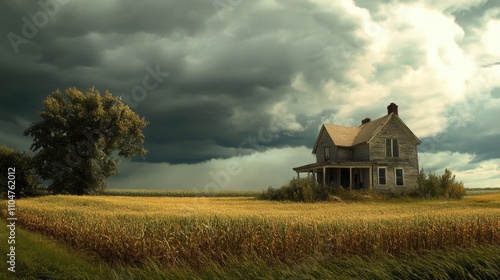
[{"x": 235, "y": 90}]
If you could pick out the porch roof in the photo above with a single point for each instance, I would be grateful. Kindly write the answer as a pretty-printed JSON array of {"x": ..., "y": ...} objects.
[{"x": 333, "y": 164}]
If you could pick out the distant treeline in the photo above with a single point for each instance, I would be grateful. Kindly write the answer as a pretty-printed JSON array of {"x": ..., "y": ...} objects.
[
  {"x": 481, "y": 191},
  {"x": 179, "y": 193}
]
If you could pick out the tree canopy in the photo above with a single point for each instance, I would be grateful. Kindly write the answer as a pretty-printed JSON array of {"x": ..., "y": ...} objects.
[
  {"x": 25, "y": 182},
  {"x": 77, "y": 142}
]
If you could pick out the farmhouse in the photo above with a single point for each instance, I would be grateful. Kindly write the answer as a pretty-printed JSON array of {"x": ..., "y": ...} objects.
[{"x": 379, "y": 155}]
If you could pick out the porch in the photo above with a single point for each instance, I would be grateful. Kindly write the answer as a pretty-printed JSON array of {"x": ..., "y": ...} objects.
[{"x": 349, "y": 175}]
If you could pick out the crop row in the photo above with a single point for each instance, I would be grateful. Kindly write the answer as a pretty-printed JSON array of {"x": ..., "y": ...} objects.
[{"x": 173, "y": 241}]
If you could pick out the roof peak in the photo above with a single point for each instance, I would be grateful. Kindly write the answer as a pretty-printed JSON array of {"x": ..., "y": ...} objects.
[
  {"x": 363, "y": 124},
  {"x": 348, "y": 136}
]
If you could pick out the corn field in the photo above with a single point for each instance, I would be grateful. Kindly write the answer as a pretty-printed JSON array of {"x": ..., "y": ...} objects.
[{"x": 176, "y": 232}]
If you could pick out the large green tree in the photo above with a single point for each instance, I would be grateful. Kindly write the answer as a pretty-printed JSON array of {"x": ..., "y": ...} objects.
[
  {"x": 77, "y": 142},
  {"x": 20, "y": 165}
]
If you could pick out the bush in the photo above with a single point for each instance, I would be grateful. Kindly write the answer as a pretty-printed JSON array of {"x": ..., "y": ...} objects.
[
  {"x": 303, "y": 189},
  {"x": 26, "y": 182},
  {"x": 340, "y": 193},
  {"x": 336, "y": 190},
  {"x": 434, "y": 186},
  {"x": 450, "y": 187}
]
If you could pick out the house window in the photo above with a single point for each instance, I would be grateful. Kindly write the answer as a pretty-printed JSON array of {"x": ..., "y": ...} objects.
[
  {"x": 382, "y": 178},
  {"x": 399, "y": 177},
  {"x": 391, "y": 147},
  {"x": 327, "y": 153}
]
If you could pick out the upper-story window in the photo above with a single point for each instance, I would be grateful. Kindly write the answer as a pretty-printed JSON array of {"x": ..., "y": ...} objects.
[
  {"x": 327, "y": 153},
  {"x": 391, "y": 147}
]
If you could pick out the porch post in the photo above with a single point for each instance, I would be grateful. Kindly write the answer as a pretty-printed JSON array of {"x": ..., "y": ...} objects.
[
  {"x": 337, "y": 174},
  {"x": 371, "y": 177},
  {"x": 324, "y": 176},
  {"x": 360, "y": 175},
  {"x": 350, "y": 178},
  {"x": 298, "y": 175}
]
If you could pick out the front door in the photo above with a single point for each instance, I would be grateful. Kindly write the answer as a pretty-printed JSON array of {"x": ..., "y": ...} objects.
[{"x": 345, "y": 177}]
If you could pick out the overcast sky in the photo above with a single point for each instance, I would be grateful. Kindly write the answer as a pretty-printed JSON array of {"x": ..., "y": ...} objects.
[{"x": 235, "y": 90}]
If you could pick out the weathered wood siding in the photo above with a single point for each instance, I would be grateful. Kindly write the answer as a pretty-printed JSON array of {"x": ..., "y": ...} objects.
[
  {"x": 374, "y": 153},
  {"x": 344, "y": 154},
  {"x": 325, "y": 141},
  {"x": 361, "y": 152},
  {"x": 408, "y": 158}
]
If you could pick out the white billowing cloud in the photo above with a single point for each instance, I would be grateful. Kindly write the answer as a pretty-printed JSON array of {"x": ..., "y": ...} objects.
[
  {"x": 282, "y": 119},
  {"x": 412, "y": 57},
  {"x": 478, "y": 97},
  {"x": 440, "y": 160},
  {"x": 252, "y": 172},
  {"x": 484, "y": 50},
  {"x": 439, "y": 79},
  {"x": 485, "y": 174},
  {"x": 484, "y": 39},
  {"x": 491, "y": 37}
]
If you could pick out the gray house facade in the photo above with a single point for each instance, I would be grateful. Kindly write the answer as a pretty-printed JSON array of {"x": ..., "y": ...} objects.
[{"x": 379, "y": 155}]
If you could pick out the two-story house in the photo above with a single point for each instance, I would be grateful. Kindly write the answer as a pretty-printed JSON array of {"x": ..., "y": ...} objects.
[{"x": 379, "y": 154}]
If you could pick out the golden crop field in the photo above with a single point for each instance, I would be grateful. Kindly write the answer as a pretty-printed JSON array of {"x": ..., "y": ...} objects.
[{"x": 193, "y": 231}]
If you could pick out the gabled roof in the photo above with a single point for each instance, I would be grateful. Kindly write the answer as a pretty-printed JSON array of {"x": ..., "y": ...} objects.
[{"x": 348, "y": 136}]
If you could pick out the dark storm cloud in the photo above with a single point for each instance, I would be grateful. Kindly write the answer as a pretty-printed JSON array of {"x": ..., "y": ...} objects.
[
  {"x": 496, "y": 93},
  {"x": 402, "y": 57},
  {"x": 266, "y": 64},
  {"x": 22, "y": 83},
  {"x": 227, "y": 70},
  {"x": 478, "y": 134},
  {"x": 481, "y": 142},
  {"x": 211, "y": 128},
  {"x": 225, "y": 73},
  {"x": 73, "y": 18},
  {"x": 66, "y": 53},
  {"x": 246, "y": 73},
  {"x": 472, "y": 16},
  {"x": 490, "y": 64},
  {"x": 252, "y": 78}
]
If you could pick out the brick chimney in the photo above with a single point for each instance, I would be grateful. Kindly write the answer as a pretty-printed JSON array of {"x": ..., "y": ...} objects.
[
  {"x": 392, "y": 108},
  {"x": 365, "y": 120}
]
